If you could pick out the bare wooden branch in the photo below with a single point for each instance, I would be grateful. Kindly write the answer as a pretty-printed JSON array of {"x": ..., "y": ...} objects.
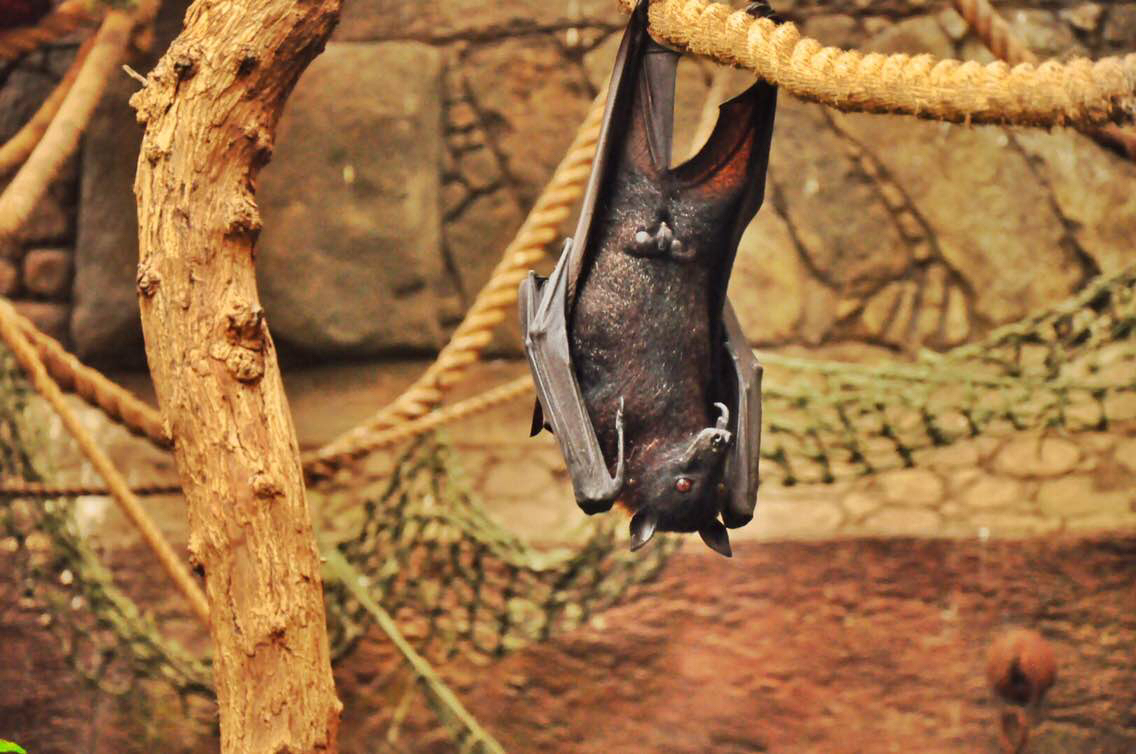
[{"x": 211, "y": 107}]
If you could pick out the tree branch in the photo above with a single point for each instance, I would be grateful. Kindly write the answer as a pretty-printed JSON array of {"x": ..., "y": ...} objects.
[{"x": 211, "y": 107}]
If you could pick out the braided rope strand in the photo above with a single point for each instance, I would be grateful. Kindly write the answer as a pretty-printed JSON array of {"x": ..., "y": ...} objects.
[
  {"x": 61, "y": 137},
  {"x": 25, "y": 353},
  {"x": 1079, "y": 93},
  {"x": 57, "y": 24},
  {"x": 118, "y": 403},
  {"x": 996, "y": 34},
  {"x": 16, "y": 149}
]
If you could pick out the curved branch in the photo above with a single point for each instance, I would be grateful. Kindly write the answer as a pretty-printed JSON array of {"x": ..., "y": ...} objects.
[{"x": 210, "y": 107}]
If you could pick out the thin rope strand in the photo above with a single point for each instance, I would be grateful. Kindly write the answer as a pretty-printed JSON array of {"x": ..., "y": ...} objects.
[{"x": 131, "y": 507}]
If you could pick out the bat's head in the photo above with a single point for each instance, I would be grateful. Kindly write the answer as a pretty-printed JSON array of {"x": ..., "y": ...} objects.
[{"x": 680, "y": 487}]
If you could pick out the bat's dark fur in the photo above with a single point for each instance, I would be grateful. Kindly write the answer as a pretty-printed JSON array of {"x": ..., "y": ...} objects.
[{"x": 644, "y": 293}]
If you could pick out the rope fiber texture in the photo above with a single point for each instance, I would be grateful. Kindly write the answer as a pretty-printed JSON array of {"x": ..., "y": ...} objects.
[
  {"x": 26, "y": 356},
  {"x": 57, "y": 24},
  {"x": 16, "y": 149},
  {"x": 999, "y": 38},
  {"x": 61, "y": 137},
  {"x": 1078, "y": 93}
]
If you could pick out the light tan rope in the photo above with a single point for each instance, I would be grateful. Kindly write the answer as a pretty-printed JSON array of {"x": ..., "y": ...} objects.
[
  {"x": 25, "y": 353},
  {"x": 24, "y": 488},
  {"x": 62, "y": 136},
  {"x": 999, "y": 38},
  {"x": 411, "y": 428},
  {"x": 118, "y": 403},
  {"x": 57, "y": 24},
  {"x": 1078, "y": 93},
  {"x": 17, "y": 148},
  {"x": 489, "y": 309}
]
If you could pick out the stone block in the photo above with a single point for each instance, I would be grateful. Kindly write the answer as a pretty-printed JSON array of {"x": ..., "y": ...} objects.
[
  {"x": 1032, "y": 456},
  {"x": 1074, "y": 496},
  {"x": 349, "y": 262},
  {"x": 836, "y": 216},
  {"x": 794, "y": 519},
  {"x": 530, "y": 100},
  {"x": 1008, "y": 524},
  {"x": 9, "y": 277},
  {"x": 912, "y": 487},
  {"x": 994, "y": 492},
  {"x": 1092, "y": 189},
  {"x": 903, "y": 522},
  {"x": 374, "y": 20},
  {"x": 47, "y": 272},
  {"x": 105, "y": 321},
  {"x": 1125, "y": 454},
  {"x": 1120, "y": 29},
  {"x": 51, "y": 317},
  {"x": 767, "y": 287}
]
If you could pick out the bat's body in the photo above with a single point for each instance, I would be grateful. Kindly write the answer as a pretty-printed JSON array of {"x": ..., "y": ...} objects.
[{"x": 639, "y": 362}]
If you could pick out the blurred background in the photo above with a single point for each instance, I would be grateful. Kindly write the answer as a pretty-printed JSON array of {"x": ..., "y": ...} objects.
[{"x": 856, "y": 615}]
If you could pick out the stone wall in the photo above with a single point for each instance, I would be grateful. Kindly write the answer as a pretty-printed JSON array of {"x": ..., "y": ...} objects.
[{"x": 414, "y": 146}]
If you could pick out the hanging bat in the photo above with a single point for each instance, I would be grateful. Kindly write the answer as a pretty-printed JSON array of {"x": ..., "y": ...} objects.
[{"x": 641, "y": 368}]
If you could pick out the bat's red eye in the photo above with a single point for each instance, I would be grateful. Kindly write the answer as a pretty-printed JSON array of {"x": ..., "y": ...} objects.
[{"x": 682, "y": 484}]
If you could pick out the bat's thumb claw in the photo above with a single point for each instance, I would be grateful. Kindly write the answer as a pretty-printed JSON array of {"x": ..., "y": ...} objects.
[
  {"x": 643, "y": 525},
  {"x": 723, "y": 416}
]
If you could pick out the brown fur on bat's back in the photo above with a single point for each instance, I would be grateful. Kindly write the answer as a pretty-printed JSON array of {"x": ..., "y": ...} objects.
[{"x": 641, "y": 330}]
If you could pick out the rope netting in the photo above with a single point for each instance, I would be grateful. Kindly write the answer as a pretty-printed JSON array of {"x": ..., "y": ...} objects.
[
  {"x": 55, "y": 577},
  {"x": 458, "y": 582},
  {"x": 1069, "y": 369}
]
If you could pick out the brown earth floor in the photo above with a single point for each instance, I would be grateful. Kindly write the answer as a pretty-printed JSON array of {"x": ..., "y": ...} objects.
[{"x": 845, "y": 646}]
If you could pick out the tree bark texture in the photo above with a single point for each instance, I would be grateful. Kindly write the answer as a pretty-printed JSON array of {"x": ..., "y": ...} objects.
[{"x": 210, "y": 107}]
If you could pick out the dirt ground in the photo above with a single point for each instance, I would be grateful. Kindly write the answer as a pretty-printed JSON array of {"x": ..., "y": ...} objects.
[{"x": 842, "y": 646}]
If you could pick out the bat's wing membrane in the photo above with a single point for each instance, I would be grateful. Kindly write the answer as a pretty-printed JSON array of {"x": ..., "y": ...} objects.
[
  {"x": 742, "y": 465},
  {"x": 544, "y": 330}
]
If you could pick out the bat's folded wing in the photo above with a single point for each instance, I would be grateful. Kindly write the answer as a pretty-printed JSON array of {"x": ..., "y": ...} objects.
[
  {"x": 544, "y": 331},
  {"x": 742, "y": 465}
]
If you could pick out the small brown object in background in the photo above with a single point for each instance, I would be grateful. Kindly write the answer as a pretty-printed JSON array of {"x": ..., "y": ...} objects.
[{"x": 1020, "y": 669}]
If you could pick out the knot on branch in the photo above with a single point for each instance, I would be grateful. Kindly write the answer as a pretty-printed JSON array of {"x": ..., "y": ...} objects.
[
  {"x": 147, "y": 278},
  {"x": 242, "y": 217},
  {"x": 244, "y": 343},
  {"x": 265, "y": 487}
]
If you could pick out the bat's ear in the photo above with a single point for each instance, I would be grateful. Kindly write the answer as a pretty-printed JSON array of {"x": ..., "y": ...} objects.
[
  {"x": 643, "y": 525},
  {"x": 716, "y": 538}
]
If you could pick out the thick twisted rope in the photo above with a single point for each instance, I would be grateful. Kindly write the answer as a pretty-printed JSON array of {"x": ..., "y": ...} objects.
[
  {"x": 996, "y": 34},
  {"x": 1078, "y": 93},
  {"x": 499, "y": 295},
  {"x": 17, "y": 148},
  {"x": 24, "y": 488},
  {"x": 62, "y": 136},
  {"x": 118, "y": 403},
  {"x": 25, "y": 353},
  {"x": 407, "y": 430},
  {"x": 59, "y": 23}
]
